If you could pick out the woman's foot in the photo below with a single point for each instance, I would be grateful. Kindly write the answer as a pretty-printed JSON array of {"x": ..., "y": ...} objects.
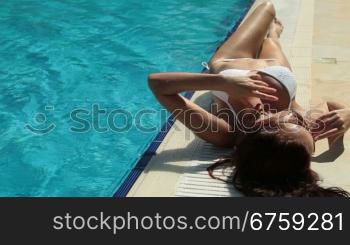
[{"x": 276, "y": 29}]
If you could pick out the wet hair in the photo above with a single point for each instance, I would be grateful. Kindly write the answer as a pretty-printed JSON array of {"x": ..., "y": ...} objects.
[{"x": 269, "y": 164}]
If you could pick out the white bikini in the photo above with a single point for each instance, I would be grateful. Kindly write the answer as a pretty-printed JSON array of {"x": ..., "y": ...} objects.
[{"x": 280, "y": 73}]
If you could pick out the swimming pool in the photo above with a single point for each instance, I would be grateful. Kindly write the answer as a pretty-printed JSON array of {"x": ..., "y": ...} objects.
[{"x": 76, "y": 113}]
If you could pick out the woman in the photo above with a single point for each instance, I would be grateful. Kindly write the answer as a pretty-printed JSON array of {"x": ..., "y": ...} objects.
[{"x": 254, "y": 90}]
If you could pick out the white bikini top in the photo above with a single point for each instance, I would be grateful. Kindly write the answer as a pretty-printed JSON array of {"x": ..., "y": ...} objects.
[{"x": 280, "y": 73}]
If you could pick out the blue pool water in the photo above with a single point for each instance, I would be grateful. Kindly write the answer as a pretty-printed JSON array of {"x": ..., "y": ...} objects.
[{"x": 59, "y": 59}]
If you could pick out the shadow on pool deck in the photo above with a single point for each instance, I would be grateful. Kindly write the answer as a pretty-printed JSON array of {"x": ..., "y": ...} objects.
[{"x": 331, "y": 154}]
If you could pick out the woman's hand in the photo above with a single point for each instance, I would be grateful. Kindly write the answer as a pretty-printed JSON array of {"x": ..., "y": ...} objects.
[
  {"x": 335, "y": 124},
  {"x": 247, "y": 86}
]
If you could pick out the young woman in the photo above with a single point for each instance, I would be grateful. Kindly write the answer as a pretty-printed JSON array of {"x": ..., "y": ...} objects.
[{"x": 254, "y": 89}]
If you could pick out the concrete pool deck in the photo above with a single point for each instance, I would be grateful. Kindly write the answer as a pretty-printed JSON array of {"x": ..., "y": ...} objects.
[{"x": 317, "y": 42}]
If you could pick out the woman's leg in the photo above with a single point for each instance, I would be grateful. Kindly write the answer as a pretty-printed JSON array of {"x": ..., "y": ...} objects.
[
  {"x": 271, "y": 47},
  {"x": 247, "y": 40}
]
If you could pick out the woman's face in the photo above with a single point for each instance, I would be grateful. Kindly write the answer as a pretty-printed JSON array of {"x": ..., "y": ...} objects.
[{"x": 293, "y": 126}]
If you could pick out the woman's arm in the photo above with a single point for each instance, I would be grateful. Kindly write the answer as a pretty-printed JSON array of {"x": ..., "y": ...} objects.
[
  {"x": 334, "y": 105},
  {"x": 335, "y": 121},
  {"x": 167, "y": 86},
  {"x": 176, "y": 82},
  {"x": 238, "y": 87}
]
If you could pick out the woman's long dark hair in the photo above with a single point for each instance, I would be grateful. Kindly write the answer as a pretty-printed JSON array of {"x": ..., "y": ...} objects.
[{"x": 269, "y": 165}]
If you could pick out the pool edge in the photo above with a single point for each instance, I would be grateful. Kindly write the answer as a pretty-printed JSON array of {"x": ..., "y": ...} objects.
[{"x": 126, "y": 186}]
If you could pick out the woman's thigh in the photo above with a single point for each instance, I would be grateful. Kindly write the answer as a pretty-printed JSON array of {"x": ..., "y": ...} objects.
[
  {"x": 246, "y": 41},
  {"x": 272, "y": 49}
]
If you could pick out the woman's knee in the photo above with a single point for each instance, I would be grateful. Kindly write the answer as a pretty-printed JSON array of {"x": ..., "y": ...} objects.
[{"x": 268, "y": 7}]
